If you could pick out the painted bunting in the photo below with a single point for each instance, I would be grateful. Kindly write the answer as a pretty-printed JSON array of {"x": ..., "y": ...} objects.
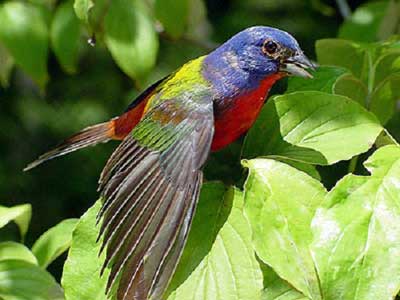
[{"x": 150, "y": 185}]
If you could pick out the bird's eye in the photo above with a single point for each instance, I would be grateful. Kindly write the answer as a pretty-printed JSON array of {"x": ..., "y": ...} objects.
[{"x": 270, "y": 47}]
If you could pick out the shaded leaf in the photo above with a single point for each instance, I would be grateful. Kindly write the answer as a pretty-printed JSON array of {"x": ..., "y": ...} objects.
[
  {"x": 173, "y": 14},
  {"x": 312, "y": 127},
  {"x": 357, "y": 233},
  {"x": 131, "y": 38},
  {"x": 224, "y": 266},
  {"x": 280, "y": 218},
  {"x": 386, "y": 65},
  {"x": 365, "y": 22},
  {"x": 275, "y": 288},
  {"x": 324, "y": 79},
  {"x": 6, "y": 66},
  {"x": 13, "y": 250},
  {"x": 82, "y": 8},
  {"x": 341, "y": 53},
  {"x": 21, "y": 280},
  {"x": 83, "y": 261},
  {"x": 54, "y": 242},
  {"x": 64, "y": 34},
  {"x": 383, "y": 99},
  {"x": 20, "y": 214},
  {"x": 24, "y": 33},
  {"x": 352, "y": 87},
  {"x": 384, "y": 139}
]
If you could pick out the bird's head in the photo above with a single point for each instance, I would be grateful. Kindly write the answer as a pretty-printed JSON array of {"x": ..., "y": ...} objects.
[
  {"x": 261, "y": 51},
  {"x": 266, "y": 50}
]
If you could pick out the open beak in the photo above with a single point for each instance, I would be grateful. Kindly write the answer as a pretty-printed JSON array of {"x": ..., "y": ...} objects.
[{"x": 298, "y": 65}]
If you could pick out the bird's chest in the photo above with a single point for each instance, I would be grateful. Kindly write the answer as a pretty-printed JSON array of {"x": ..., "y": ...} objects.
[{"x": 233, "y": 117}]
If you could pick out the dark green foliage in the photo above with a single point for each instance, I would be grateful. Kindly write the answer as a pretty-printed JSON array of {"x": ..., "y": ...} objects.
[{"x": 317, "y": 216}]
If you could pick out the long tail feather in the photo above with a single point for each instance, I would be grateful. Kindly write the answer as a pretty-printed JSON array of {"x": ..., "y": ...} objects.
[{"x": 89, "y": 136}]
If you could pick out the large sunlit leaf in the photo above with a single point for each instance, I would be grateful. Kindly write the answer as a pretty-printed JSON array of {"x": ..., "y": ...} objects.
[
  {"x": 342, "y": 53},
  {"x": 280, "y": 203},
  {"x": 173, "y": 14},
  {"x": 54, "y": 242},
  {"x": 218, "y": 262},
  {"x": 24, "y": 33},
  {"x": 20, "y": 214},
  {"x": 21, "y": 280},
  {"x": 312, "y": 127},
  {"x": 12, "y": 250},
  {"x": 83, "y": 261},
  {"x": 131, "y": 38},
  {"x": 357, "y": 233},
  {"x": 64, "y": 34}
]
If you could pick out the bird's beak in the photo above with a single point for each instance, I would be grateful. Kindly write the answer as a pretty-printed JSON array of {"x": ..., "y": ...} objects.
[{"x": 297, "y": 65}]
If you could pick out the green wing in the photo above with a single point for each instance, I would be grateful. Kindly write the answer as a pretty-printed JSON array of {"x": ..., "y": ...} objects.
[{"x": 151, "y": 186}]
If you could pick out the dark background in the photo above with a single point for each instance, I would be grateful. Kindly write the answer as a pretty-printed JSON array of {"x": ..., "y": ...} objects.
[{"x": 31, "y": 122}]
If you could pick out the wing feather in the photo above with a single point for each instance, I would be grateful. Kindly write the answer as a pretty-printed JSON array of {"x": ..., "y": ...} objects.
[{"x": 150, "y": 187}]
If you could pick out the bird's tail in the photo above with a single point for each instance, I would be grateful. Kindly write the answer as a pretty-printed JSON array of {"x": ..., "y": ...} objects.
[{"x": 89, "y": 136}]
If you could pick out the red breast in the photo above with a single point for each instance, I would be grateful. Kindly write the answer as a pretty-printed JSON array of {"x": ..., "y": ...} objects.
[{"x": 235, "y": 120}]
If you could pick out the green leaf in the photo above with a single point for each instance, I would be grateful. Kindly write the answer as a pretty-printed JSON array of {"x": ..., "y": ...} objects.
[
  {"x": 312, "y": 127},
  {"x": 357, "y": 232},
  {"x": 218, "y": 244},
  {"x": 83, "y": 261},
  {"x": 352, "y": 87},
  {"x": 306, "y": 168},
  {"x": 173, "y": 14},
  {"x": 280, "y": 202},
  {"x": 13, "y": 250},
  {"x": 364, "y": 24},
  {"x": 384, "y": 139},
  {"x": 275, "y": 288},
  {"x": 384, "y": 98},
  {"x": 386, "y": 65},
  {"x": 54, "y": 242},
  {"x": 6, "y": 66},
  {"x": 21, "y": 280},
  {"x": 324, "y": 79},
  {"x": 20, "y": 214},
  {"x": 92, "y": 13},
  {"x": 390, "y": 21},
  {"x": 218, "y": 261},
  {"x": 331, "y": 79},
  {"x": 82, "y": 8},
  {"x": 64, "y": 34},
  {"x": 342, "y": 53},
  {"x": 131, "y": 38},
  {"x": 24, "y": 33}
]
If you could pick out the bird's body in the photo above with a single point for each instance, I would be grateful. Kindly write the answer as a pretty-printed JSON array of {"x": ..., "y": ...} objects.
[
  {"x": 150, "y": 184},
  {"x": 233, "y": 115}
]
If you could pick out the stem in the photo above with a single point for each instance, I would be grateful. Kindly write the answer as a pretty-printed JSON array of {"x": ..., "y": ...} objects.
[
  {"x": 353, "y": 164},
  {"x": 371, "y": 79},
  {"x": 344, "y": 8}
]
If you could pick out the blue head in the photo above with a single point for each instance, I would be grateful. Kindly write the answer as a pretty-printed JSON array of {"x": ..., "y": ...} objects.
[{"x": 252, "y": 55}]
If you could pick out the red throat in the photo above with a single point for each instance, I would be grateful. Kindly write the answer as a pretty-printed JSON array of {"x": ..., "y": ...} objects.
[{"x": 239, "y": 117}]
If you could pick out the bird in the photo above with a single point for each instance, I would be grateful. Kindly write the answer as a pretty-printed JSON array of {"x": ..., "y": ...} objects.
[{"x": 150, "y": 184}]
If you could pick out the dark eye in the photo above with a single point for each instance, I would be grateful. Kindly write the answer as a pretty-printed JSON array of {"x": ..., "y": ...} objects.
[{"x": 270, "y": 47}]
